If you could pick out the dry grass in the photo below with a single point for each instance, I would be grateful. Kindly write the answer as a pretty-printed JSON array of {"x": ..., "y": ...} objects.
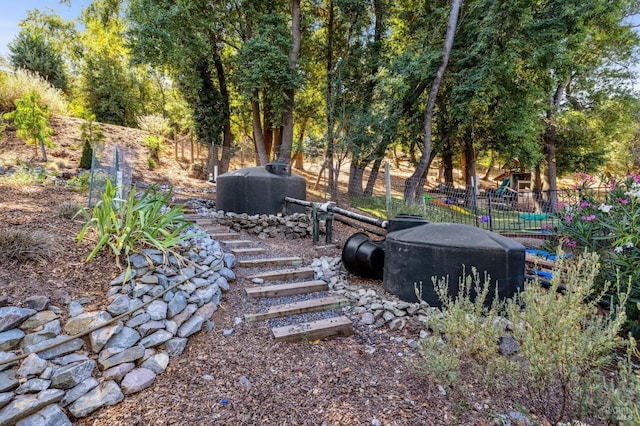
[
  {"x": 68, "y": 209},
  {"x": 21, "y": 245}
]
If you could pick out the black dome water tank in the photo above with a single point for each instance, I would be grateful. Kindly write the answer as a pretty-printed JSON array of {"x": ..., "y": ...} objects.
[
  {"x": 363, "y": 257},
  {"x": 441, "y": 249},
  {"x": 405, "y": 221},
  {"x": 255, "y": 190}
]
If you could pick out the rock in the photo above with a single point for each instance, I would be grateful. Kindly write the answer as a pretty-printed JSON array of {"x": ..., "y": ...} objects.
[
  {"x": 185, "y": 314},
  {"x": 388, "y": 316},
  {"x": 191, "y": 326},
  {"x": 84, "y": 321},
  {"x": 227, "y": 332},
  {"x": 37, "y": 303},
  {"x": 105, "y": 395},
  {"x": 138, "y": 320},
  {"x": 257, "y": 281},
  {"x": 128, "y": 355},
  {"x": 70, "y": 359},
  {"x": 75, "y": 309},
  {"x": 228, "y": 274},
  {"x": 10, "y": 339},
  {"x": 203, "y": 295},
  {"x": 120, "y": 305},
  {"x": 229, "y": 260},
  {"x": 148, "y": 279},
  {"x": 140, "y": 289},
  {"x": 157, "y": 338},
  {"x": 56, "y": 351},
  {"x": 176, "y": 305},
  {"x": 118, "y": 372},
  {"x": 8, "y": 381},
  {"x": 25, "y": 405},
  {"x": 206, "y": 311},
  {"x": 508, "y": 345},
  {"x": 412, "y": 344},
  {"x": 4, "y": 356},
  {"x": 175, "y": 346},
  {"x": 12, "y": 317},
  {"x": 138, "y": 261},
  {"x": 171, "y": 327},
  {"x": 157, "y": 310},
  {"x": 71, "y": 375},
  {"x": 80, "y": 389},
  {"x": 156, "y": 363},
  {"x": 32, "y": 365},
  {"x": 137, "y": 380},
  {"x": 33, "y": 386},
  {"x": 151, "y": 327},
  {"x": 208, "y": 326},
  {"x": 38, "y": 320},
  {"x": 397, "y": 324},
  {"x": 5, "y": 397},
  {"x": 100, "y": 337},
  {"x": 368, "y": 318},
  {"x": 126, "y": 338},
  {"x": 51, "y": 415},
  {"x": 223, "y": 283},
  {"x": 119, "y": 280}
]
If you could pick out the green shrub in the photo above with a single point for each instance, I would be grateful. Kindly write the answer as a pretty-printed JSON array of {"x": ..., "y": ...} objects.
[
  {"x": 92, "y": 136},
  {"x": 608, "y": 225},
  {"x": 154, "y": 145},
  {"x": 21, "y": 245},
  {"x": 564, "y": 343},
  {"x": 80, "y": 183},
  {"x": 151, "y": 163},
  {"x": 126, "y": 226},
  {"x": 154, "y": 124},
  {"x": 14, "y": 86},
  {"x": 25, "y": 175},
  {"x": 31, "y": 118},
  {"x": 31, "y": 51}
]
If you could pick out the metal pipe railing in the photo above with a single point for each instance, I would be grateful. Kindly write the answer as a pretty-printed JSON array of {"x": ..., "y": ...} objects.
[{"x": 332, "y": 208}]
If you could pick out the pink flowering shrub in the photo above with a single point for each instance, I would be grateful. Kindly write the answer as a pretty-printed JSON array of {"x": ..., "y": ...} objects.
[{"x": 608, "y": 224}]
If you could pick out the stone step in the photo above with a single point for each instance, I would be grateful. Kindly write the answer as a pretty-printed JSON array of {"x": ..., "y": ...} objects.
[
  {"x": 267, "y": 262},
  {"x": 249, "y": 251},
  {"x": 289, "y": 289},
  {"x": 284, "y": 274},
  {"x": 236, "y": 243},
  {"x": 313, "y": 305},
  {"x": 224, "y": 236},
  {"x": 314, "y": 330}
]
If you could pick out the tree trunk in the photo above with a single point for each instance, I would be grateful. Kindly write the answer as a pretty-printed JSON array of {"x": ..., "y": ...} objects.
[
  {"x": 258, "y": 137},
  {"x": 356, "y": 173},
  {"x": 490, "y": 168},
  {"x": 44, "y": 151},
  {"x": 287, "y": 121},
  {"x": 333, "y": 181},
  {"x": 413, "y": 185},
  {"x": 373, "y": 177},
  {"x": 227, "y": 135},
  {"x": 549, "y": 143},
  {"x": 298, "y": 156}
]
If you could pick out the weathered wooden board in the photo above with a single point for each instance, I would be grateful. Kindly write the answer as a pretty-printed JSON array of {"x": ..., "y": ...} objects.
[
  {"x": 273, "y": 261},
  {"x": 250, "y": 250},
  {"x": 314, "y": 305},
  {"x": 314, "y": 330},
  {"x": 289, "y": 289},
  {"x": 284, "y": 274}
]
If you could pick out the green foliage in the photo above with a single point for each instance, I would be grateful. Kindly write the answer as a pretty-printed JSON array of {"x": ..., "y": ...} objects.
[
  {"x": 32, "y": 52},
  {"x": 155, "y": 145},
  {"x": 126, "y": 226},
  {"x": 25, "y": 175},
  {"x": 31, "y": 119},
  {"x": 155, "y": 124},
  {"x": 151, "y": 163},
  {"x": 92, "y": 136},
  {"x": 376, "y": 206},
  {"x": 607, "y": 224},
  {"x": 80, "y": 182},
  {"x": 15, "y": 86},
  {"x": 564, "y": 346}
]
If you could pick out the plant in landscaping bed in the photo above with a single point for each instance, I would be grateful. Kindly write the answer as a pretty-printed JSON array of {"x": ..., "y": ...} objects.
[
  {"x": 21, "y": 245},
  {"x": 609, "y": 226},
  {"x": 92, "y": 136},
  {"x": 126, "y": 226},
  {"x": 564, "y": 346},
  {"x": 31, "y": 118},
  {"x": 68, "y": 209}
]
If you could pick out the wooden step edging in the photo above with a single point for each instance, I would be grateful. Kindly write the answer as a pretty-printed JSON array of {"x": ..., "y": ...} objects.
[
  {"x": 250, "y": 250},
  {"x": 224, "y": 236},
  {"x": 314, "y": 330},
  {"x": 314, "y": 305},
  {"x": 284, "y": 274},
  {"x": 289, "y": 289},
  {"x": 274, "y": 261},
  {"x": 236, "y": 243}
]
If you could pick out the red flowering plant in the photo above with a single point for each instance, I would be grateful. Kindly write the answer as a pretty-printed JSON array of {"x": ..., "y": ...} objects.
[{"x": 607, "y": 221}]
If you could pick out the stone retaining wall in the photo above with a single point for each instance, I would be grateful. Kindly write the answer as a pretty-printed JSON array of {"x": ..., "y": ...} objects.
[
  {"x": 294, "y": 226},
  {"x": 130, "y": 351}
]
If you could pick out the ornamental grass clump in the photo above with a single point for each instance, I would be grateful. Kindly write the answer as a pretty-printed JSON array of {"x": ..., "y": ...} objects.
[
  {"x": 563, "y": 367},
  {"x": 126, "y": 226},
  {"x": 608, "y": 223},
  {"x": 23, "y": 245}
]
